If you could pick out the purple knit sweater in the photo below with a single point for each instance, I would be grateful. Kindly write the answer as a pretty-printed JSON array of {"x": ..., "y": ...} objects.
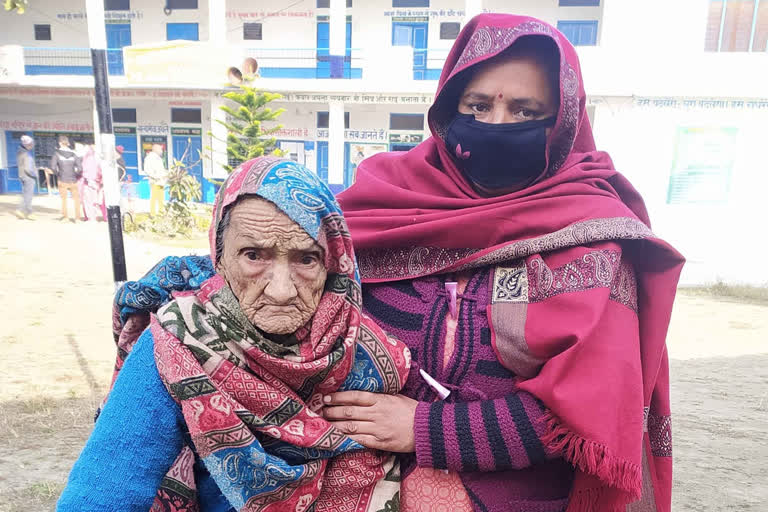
[{"x": 486, "y": 430}]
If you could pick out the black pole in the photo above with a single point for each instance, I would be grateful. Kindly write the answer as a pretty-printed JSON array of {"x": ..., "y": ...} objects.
[{"x": 107, "y": 139}]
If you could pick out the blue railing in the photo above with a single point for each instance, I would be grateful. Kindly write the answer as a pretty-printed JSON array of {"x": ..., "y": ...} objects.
[
  {"x": 68, "y": 61},
  {"x": 307, "y": 63},
  {"x": 428, "y": 63}
]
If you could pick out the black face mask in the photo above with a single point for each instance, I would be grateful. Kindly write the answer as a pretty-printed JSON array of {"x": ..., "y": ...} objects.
[{"x": 497, "y": 156}]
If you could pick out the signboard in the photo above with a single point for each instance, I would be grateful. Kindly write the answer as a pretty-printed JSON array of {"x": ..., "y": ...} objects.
[
  {"x": 182, "y": 62},
  {"x": 701, "y": 171},
  {"x": 363, "y": 98},
  {"x": 194, "y": 132},
  {"x": 356, "y": 135},
  {"x": 405, "y": 138},
  {"x": 411, "y": 19},
  {"x": 124, "y": 130}
]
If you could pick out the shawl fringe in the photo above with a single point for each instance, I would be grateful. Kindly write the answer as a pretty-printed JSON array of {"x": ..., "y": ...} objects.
[
  {"x": 590, "y": 500},
  {"x": 594, "y": 459}
]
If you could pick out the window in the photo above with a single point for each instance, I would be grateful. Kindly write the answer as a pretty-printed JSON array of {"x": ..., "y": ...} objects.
[
  {"x": 252, "y": 31},
  {"x": 410, "y": 3},
  {"x": 117, "y": 5},
  {"x": 325, "y": 4},
  {"x": 186, "y": 115},
  {"x": 42, "y": 32},
  {"x": 449, "y": 30},
  {"x": 181, "y": 4},
  {"x": 406, "y": 122},
  {"x": 737, "y": 26},
  {"x": 124, "y": 115},
  {"x": 185, "y": 31},
  {"x": 579, "y": 33},
  {"x": 322, "y": 120},
  {"x": 579, "y": 3}
]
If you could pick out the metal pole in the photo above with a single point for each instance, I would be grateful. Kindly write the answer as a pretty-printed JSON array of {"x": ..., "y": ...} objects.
[{"x": 97, "y": 37}]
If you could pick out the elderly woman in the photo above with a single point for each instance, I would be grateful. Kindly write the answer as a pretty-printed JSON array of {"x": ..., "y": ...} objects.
[
  {"x": 216, "y": 408},
  {"x": 520, "y": 269}
]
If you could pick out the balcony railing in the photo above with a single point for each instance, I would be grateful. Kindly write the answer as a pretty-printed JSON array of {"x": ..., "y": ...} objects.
[
  {"x": 299, "y": 63},
  {"x": 68, "y": 61},
  {"x": 307, "y": 63}
]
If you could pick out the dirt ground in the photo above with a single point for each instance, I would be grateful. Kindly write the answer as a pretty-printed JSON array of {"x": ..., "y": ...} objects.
[{"x": 56, "y": 356}]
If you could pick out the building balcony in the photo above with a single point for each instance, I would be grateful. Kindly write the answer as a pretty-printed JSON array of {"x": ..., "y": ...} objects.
[
  {"x": 176, "y": 63},
  {"x": 68, "y": 61}
]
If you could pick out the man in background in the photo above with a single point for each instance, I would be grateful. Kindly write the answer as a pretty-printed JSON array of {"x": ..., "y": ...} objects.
[
  {"x": 67, "y": 167},
  {"x": 27, "y": 175},
  {"x": 155, "y": 169},
  {"x": 121, "y": 170}
]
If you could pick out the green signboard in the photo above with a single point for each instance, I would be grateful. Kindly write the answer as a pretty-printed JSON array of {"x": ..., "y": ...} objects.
[{"x": 195, "y": 132}]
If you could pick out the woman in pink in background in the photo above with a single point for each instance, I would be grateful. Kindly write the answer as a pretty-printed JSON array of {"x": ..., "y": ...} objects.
[{"x": 92, "y": 187}]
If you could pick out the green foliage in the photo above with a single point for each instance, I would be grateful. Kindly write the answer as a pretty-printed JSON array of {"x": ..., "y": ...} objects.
[
  {"x": 15, "y": 5},
  {"x": 177, "y": 217},
  {"x": 247, "y": 137}
]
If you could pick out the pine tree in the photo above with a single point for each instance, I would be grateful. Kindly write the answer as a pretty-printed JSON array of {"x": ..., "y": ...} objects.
[{"x": 247, "y": 137}]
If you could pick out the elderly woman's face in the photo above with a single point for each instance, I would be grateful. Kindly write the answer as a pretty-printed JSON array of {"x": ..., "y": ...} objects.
[
  {"x": 274, "y": 268},
  {"x": 510, "y": 90}
]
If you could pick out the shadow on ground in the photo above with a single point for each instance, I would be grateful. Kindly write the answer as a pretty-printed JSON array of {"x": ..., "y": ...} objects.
[{"x": 8, "y": 207}]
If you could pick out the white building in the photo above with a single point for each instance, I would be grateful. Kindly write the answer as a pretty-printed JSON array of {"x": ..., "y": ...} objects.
[{"x": 677, "y": 92}]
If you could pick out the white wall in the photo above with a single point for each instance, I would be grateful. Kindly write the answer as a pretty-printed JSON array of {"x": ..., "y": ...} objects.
[
  {"x": 69, "y": 31},
  {"x": 654, "y": 26},
  {"x": 68, "y": 22},
  {"x": 720, "y": 241},
  {"x": 294, "y": 27},
  {"x": 151, "y": 27},
  {"x": 548, "y": 10}
]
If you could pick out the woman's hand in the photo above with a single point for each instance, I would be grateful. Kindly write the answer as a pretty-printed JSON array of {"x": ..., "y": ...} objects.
[{"x": 378, "y": 421}]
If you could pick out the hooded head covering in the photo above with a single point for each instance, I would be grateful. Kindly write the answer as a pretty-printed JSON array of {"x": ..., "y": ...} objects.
[
  {"x": 421, "y": 198},
  {"x": 582, "y": 290}
]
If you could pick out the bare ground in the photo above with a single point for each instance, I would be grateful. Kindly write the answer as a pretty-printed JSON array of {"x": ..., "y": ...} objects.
[{"x": 56, "y": 357}]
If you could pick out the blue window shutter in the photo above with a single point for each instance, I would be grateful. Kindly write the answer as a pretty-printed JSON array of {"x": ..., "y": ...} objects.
[
  {"x": 186, "y": 31},
  {"x": 579, "y": 33}
]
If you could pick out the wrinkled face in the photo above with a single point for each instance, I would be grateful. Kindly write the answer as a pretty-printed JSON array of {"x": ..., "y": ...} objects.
[
  {"x": 274, "y": 268},
  {"x": 510, "y": 90}
]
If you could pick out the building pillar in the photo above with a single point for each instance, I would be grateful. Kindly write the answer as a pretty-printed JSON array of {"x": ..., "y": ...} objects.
[
  {"x": 217, "y": 24},
  {"x": 472, "y": 8},
  {"x": 336, "y": 143},
  {"x": 218, "y": 141},
  {"x": 337, "y": 36}
]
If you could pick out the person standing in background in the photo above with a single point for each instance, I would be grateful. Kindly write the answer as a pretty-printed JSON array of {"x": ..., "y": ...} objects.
[
  {"x": 155, "y": 169},
  {"x": 67, "y": 167},
  {"x": 28, "y": 176},
  {"x": 120, "y": 163},
  {"x": 93, "y": 193}
]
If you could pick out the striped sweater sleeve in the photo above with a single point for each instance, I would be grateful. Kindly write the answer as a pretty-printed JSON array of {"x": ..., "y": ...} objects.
[{"x": 486, "y": 435}]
